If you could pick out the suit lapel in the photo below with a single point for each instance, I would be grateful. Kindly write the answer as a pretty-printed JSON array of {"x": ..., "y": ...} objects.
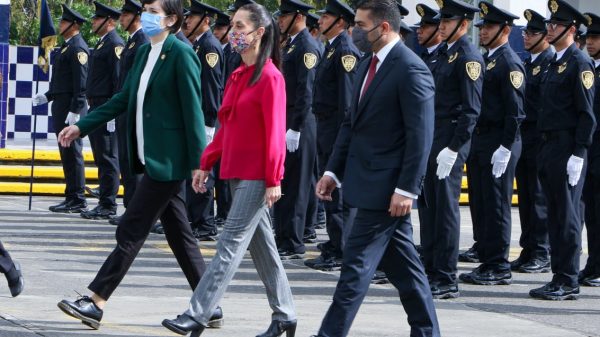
[
  {"x": 162, "y": 58},
  {"x": 361, "y": 74}
]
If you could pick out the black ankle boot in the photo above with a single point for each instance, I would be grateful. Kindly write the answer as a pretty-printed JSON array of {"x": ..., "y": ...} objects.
[
  {"x": 184, "y": 324},
  {"x": 277, "y": 328}
]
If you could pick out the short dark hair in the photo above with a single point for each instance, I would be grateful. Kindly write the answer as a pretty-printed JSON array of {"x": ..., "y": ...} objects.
[
  {"x": 171, "y": 7},
  {"x": 383, "y": 10}
]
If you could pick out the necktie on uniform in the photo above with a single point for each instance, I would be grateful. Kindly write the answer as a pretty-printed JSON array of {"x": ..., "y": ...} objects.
[{"x": 370, "y": 74}]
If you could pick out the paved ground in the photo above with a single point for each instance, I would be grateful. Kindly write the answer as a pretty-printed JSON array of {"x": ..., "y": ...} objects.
[{"x": 61, "y": 253}]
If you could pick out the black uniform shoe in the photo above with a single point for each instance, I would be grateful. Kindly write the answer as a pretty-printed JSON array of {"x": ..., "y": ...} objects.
[
  {"x": 487, "y": 277},
  {"x": 379, "y": 278},
  {"x": 289, "y": 255},
  {"x": 70, "y": 207},
  {"x": 203, "y": 236},
  {"x": 62, "y": 204},
  {"x": 324, "y": 263},
  {"x": 470, "y": 255},
  {"x": 444, "y": 291},
  {"x": 15, "y": 280},
  {"x": 555, "y": 292},
  {"x": 220, "y": 221},
  {"x": 84, "y": 309},
  {"x": 100, "y": 212},
  {"x": 535, "y": 266},
  {"x": 310, "y": 238},
  {"x": 157, "y": 228},
  {"x": 115, "y": 220},
  {"x": 589, "y": 279},
  {"x": 184, "y": 324},
  {"x": 277, "y": 328},
  {"x": 516, "y": 264},
  {"x": 93, "y": 192}
]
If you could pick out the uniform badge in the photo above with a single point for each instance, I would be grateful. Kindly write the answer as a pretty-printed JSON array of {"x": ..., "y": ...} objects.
[
  {"x": 100, "y": 45},
  {"x": 484, "y": 9},
  {"x": 310, "y": 60},
  {"x": 291, "y": 49},
  {"x": 589, "y": 19},
  {"x": 452, "y": 58},
  {"x": 553, "y": 6},
  {"x": 64, "y": 49},
  {"x": 562, "y": 67},
  {"x": 212, "y": 59},
  {"x": 348, "y": 62},
  {"x": 82, "y": 57},
  {"x": 330, "y": 53},
  {"x": 536, "y": 70},
  {"x": 587, "y": 77},
  {"x": 473, "y": 70},
  {"x": 528, "y": 15},
  {"x": 440, "y": 3},
  {"x": 132, "y": 44},
  {"x": 491, "y": 65},
  {"x": 118, "y": 51},
  {"x": 420, "y": 10},
  {"x": 516, "y": 78}
]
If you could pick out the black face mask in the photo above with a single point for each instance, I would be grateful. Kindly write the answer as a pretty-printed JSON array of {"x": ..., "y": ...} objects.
[{"x": 360, "y": 37}]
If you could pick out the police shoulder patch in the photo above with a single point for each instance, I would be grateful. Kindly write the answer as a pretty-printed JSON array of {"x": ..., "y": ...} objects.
[
  {"x": 516, "y": 79},
  {"x": 473, "y": 70},
  {"x": 118, "y": 51},
  {"x": 212, "y": 59},
  {"x": 348, "y": 61},
  {"x": 82, "y": 57},
  {"x": 587, "y": 78},
  {"x": 310, "y": 60}
]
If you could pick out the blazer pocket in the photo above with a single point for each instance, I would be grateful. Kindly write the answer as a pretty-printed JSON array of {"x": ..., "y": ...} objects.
[{"x": 384, "y": 163}]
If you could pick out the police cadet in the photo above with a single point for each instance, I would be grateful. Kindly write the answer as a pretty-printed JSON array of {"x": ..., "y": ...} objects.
[
  {"x": 458, "y": 80},
  {"x": 67, "y": 92},
  {"x": 405, "y": 30},
  {"x": 312, "y": 23},
  {"x": 300, "y": 57},
  {"x": 103, "y": 82},
  {"x": 566, "y": 121},
  {"x": 535, "y": 255},
  {"x": 130, "y": 22},
  {"x": 428, "y": 35},
  {"x": 590, "y": 275},
  {"x": 331, "y": 102}
]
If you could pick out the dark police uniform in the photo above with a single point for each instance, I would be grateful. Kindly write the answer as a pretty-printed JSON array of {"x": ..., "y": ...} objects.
[
  {"x": 67, "y": 92},
  {"x": 334, "y": 80},
  {"x": 497, "y": 128},
  {"x": 103, "y": 82},
  {"x": 590, "y": 275},
  {"x": 567, "y": 123},
  {"x": 535, "y": 256},
  {"x": 300, "y": 58},
  {"x": 458, "y": 79},
  {"x": 429, "y": 16},
  {"x": 128, "y": 179}
]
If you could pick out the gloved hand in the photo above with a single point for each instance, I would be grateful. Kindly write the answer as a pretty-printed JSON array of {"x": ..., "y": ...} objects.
[
  {"x": 445, "y": 161},
  {"x": 72, "y": 118},
  {"x": 292, "y": 140},
  {"x": 210, "y": 134},
  {"x": 110, "y": 126},
  {"x": 574, "y": 167},
  {"x": 39, "y": 99},
  {"x": 500, "y": 160}
]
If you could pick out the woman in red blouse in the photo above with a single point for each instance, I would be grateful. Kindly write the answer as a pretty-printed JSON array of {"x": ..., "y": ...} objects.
[{"x": 251, "y": 147}]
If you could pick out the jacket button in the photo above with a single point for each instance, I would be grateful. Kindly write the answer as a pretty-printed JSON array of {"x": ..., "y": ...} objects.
[{"x": 148, "y": 115}]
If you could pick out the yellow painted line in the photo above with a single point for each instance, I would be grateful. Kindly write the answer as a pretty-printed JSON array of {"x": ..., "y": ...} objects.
[
  {"x": 43, "y": 155},
  {"x": 38, "y": 188},
  {"x": 165, "y": 248},
  {"x": 464, "y": 199},
  {"x": 22, "y": 171},
  {"x": 464, "y": 185}
]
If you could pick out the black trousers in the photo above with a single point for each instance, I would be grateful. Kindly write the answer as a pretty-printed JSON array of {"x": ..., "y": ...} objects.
[
  {"x": 297, "y": 186},
  {"x": 564, "y": 205},
  {"x": 104, "y": 146},
  {"x": 477, "y": 217},
  {"x": 440, "y": 215},
  {"x": 222, "y": 194},
  {"x": 532, "y": 201},
  {"x": 376, "y": 237},
  {"x": 152, "y": 199},
  {"x": 6, "y": 262},
  {"x": 71, "y": 157},
  {"x": 128, "y": 179},
  {"x": 201, "y": 208},
  {"x": 591, "y": 197},
  {"x": 494, "y": 198}
]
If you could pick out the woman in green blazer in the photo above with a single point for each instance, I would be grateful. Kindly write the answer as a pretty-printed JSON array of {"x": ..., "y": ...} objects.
[{"x": 161, "y": 97}]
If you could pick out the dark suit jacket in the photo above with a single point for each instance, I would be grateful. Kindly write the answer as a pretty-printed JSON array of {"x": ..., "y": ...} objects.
[{"x": 385, "y": 140}]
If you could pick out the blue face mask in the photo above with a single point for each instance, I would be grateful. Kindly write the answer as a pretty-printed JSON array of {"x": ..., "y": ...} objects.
[{"x": 151, "y": 24}]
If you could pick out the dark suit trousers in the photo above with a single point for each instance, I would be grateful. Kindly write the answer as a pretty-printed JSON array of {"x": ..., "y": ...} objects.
[
  {"x": 532, "y": 201},
  {"x": 200, "y": 207},
  {"x": 128, "y": 179},
  {"x": 477, "y": 217},
  {"x": 376, "y": 237},
  {"x": 591, "y": 197},
  {"x": 104, "y": 146},
  {"x": 71, "y": 157},
  {"x": 6, "y": 262},
  {"x": 152, "y": 199},
  {"x": 222, "y": 194}
]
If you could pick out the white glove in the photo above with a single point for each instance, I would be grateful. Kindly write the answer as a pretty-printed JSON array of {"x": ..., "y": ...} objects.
[
  {"x": 500, "y": 160},
  {"x": 72, "y": 118},
  {"x": 210, "y": 134},
  {"x": 445, "y": 161},
  {"x": 574, "y": 167},
  {"x": 292, "y": 140},
  {"x": 39, "y": 99},
  {"x": 110, "y": 126}
]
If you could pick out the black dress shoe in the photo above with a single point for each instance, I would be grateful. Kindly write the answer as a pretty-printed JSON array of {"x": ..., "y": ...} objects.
[
  {"x": 15, "y": 280},
  {"x": 289, "y": 255},
  {"x": 100, "y": 212},
  {"x": 310, "y": 238},
  {"x": 444, "y": 291},
  {"x": 555, "y": 292},
  {"x": 535, "y": 266},
  {"x": 70, "y": 207},
  {"x": 184, "y": 324},
  {"x": 53, "y": 207},
  {"x": 470, "y": 255},
  {"x": 487, "y": 277},
  {"x": 203, "y": 236},
  {"x": 84, "y": 309},
  {"x": 93, "y": 192},
  {"x": 379, "y": 278},
  {"x": 216, "y": 320},
  {"x": 115, "y": 220},
  {"x": 590, "y": 280},
  {"x": 157, "y": 228},
  {"x": 518, "y": 262},
  {"x": 324, "y": 262},
  {"x": 277, "y": 328}
]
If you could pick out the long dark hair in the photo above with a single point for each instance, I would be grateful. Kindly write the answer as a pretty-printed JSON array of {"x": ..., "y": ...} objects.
[{"x": 269, "y": 43}]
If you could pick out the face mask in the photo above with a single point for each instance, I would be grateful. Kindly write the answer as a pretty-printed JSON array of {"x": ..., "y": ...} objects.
[
  {"x": 238, "y": 41},
  {"x": 360, "y": 37},
  {"x": 151, "y": 24}
]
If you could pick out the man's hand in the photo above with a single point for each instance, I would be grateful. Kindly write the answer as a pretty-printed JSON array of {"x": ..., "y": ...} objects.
[
  {"x": 199, "y": 180},
  {"x": 68, "y": 135},
  {"x": 400, "y": 205},
  {"x": 272, "y": 194},
  {"x": 325, "y": 187}
]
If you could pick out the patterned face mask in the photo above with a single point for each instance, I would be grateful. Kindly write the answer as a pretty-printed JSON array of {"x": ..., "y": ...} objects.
[{"x": 239, "y": 42}]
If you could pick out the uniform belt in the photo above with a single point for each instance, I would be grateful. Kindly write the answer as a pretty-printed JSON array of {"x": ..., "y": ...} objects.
[{"x": 554, "y": 134}]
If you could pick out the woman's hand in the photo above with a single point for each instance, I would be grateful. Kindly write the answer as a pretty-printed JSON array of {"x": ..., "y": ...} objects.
[
  {"x": 199, "y": 180},
  {"x": 68, "y": 135},
  {"x": 272, "y": 194}
]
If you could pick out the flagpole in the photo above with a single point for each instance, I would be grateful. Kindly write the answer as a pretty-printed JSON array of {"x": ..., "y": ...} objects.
[{"x": 34, "y": 110}]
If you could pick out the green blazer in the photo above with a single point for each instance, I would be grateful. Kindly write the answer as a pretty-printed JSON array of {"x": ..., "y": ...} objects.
[{"x": 174, "y": 133}]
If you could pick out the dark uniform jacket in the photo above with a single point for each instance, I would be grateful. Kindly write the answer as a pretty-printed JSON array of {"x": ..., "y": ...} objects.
[
  {"x": 103, "y": 79},
  {"x": 594, "y": 153},
  {"x": 209, "y": 51},
  {"x": 431, "y": 59},
  {"x": 138, "y": 39},
  {"x": 534, "y": 74}
]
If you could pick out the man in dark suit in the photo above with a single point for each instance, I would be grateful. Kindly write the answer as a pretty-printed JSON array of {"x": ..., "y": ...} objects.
[{"x": 380, "y": 155}]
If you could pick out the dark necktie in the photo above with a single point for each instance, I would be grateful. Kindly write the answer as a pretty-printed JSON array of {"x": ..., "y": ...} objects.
[{"x": 370, "y": 74}]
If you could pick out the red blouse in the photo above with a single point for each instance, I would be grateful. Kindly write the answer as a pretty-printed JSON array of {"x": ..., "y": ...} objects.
[{"x": 251, "y": 139}]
